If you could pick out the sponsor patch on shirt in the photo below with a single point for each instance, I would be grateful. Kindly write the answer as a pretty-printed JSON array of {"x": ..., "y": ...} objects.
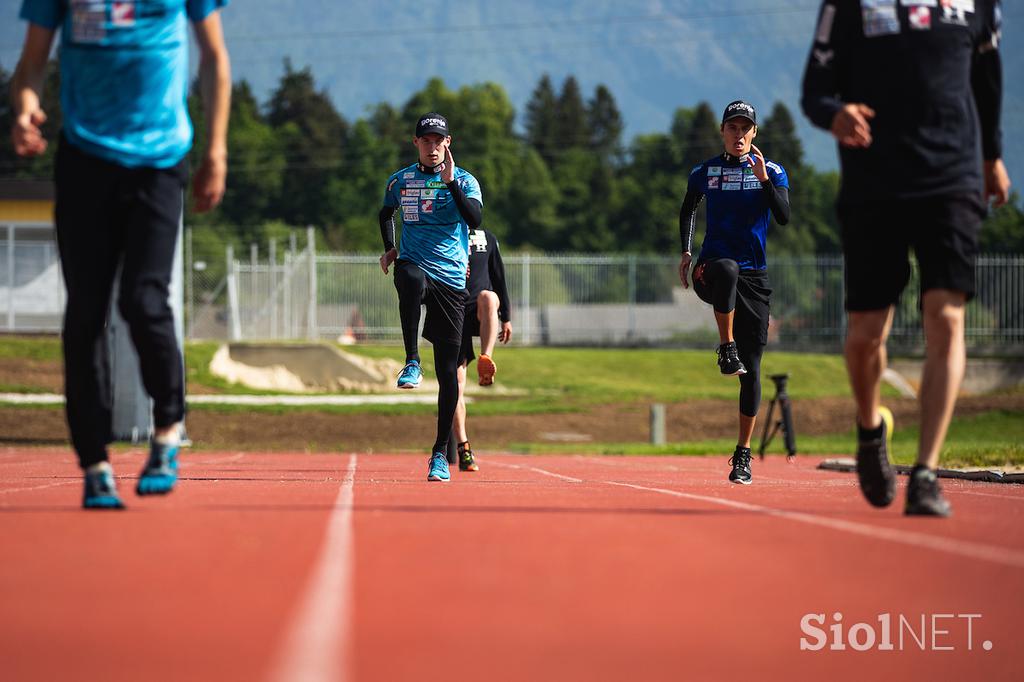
[
  {"x": 88, "y": 21},
  {"x": 122, "y": 14},
  {"x": 752, "y": 184},
  {"x": 729, "y": 186},
  {"x": 416, "y": 183},
  {"x": 429, "y": 194},
  {"x": 879, "y": 17},
  {"x": 477, "y": 240},
  {"x": 919, "y": 3},
  {"x": 828, "y": 15},
  {"x": 920, "y": 18},
  {"x": 409, "y": 175},
  {"x": 410, "y": 201},
  {"x": 427, "y": 206},
  {"x": 410, "y": 192},
  {"x": 713, "y": 183},
  {"x": 435, "y": 184},
  {"x": 714, "y": 170}
]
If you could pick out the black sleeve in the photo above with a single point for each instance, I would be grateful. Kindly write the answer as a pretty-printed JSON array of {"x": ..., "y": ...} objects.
[
  {"x": 820, "y": 99},
  {"x": 470, "y": 209},
  {"x": 778, "y": 201},
  {"x": 386, "y": 218},
  {"x": 688, "y": 216},
  {"x": 497, "y": 272},
  {"x": 987, "y": 85}
]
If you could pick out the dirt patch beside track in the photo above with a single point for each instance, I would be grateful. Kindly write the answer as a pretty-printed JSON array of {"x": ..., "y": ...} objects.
[{"x": 699, "y": 420}]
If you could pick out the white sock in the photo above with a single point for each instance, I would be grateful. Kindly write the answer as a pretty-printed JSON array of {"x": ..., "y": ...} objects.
[
  {"x": 98, "y": 467},
  {"x": 172, "y": 438}
]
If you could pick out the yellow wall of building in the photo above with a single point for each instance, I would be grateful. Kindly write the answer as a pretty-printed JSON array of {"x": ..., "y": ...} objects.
[{"x": 26, "y": 211}]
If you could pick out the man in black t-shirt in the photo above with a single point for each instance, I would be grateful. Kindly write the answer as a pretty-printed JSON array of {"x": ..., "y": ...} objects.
[
  {"x": 911, "y": 91},
  {"x": 489, "y": 316}
]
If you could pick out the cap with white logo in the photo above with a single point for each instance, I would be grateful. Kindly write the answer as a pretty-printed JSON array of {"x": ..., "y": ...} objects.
[
  {"x": 737, "y": 109},
  {"x": 432, "y": 123}
]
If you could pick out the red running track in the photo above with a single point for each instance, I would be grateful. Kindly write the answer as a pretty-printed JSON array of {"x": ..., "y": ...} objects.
[{"x": 344, "y": 567}]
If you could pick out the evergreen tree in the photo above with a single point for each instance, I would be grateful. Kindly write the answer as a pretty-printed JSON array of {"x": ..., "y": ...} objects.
[
  {"x": 571, "y": 130},
  {"x": 541, "y": 115},
  {"x": 604, "y": 123}
]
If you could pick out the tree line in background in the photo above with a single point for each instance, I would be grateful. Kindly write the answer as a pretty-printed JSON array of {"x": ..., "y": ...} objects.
[{"x": 567, "y": 182}]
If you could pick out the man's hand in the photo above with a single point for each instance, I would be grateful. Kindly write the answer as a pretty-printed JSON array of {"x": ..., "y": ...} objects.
[
  {"x": 684, "y": 269},
  {"x": 448, "y": 172},
  {"x": 27, "y": 134},
  {"x": 505, "y": 335},
  {"x": 997, "y": 182},
  {"x": 758, "y": 164},
  {"x": 851, "y": 126},
  {"x": 208, "y": 183},
  {"x": 387, "y": 259}
]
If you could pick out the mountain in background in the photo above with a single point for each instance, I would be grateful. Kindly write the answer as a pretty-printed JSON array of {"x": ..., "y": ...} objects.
[{"x": 654, "y": 56}]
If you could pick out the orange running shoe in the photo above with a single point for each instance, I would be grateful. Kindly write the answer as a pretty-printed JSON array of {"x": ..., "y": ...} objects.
[{"x": 486, "y": 369}]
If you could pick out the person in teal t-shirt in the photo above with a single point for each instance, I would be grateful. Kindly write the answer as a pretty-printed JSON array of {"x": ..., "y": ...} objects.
[{"x": 120, "y": 172}]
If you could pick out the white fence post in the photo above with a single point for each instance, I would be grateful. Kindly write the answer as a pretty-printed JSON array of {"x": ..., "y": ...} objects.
[
  {"x": 311, "y": 321},
  {"x": 526, "y": 300},
  {"x": 234, "y": 321}
]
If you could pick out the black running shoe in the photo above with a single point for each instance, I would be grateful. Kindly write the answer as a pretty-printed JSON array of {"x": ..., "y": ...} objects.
[
  {"x": 740, "y": 462},
  {"x": 875, "y": 473},
  {"x": 729, "y": 360},
  {"x": 924, "y": 496},
  {"x": 466, "y": 461}
]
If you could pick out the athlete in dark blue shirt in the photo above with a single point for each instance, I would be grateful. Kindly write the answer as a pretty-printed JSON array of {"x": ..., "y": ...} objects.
[{"x": 743, "y": 191}]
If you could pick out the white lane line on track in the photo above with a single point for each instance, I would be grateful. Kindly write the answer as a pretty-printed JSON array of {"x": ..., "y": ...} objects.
[
  {"x": 317, "y": 642},
  {"x": 964, "y": 548},
  {"x": 570, "y": 479},
  {"x": 37, "y": 487}
]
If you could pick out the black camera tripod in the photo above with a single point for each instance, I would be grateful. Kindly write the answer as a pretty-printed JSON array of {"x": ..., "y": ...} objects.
[{"x": 785, "y": 421}]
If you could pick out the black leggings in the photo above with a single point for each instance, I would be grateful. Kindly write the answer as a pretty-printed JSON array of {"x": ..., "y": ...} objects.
[
  {"x": 750, "y": 383},
  {"x": 443, "y": 328}
]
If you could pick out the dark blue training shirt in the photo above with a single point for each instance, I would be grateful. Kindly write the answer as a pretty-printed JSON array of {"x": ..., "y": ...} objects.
[{"x": 738, "y": 212}]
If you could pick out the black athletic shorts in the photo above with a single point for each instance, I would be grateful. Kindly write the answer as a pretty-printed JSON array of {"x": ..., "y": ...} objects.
[
  {"x": 445, "y": 306},
  {"x": 877, "y": 237},
  {"x": 753, "y": 307},
  {"x": 470, "y": 328}
]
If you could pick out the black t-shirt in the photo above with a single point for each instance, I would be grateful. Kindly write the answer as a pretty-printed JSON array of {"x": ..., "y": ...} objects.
[
  {"x": 487, "y": 271},
  {"x": 930, "y": 69}
]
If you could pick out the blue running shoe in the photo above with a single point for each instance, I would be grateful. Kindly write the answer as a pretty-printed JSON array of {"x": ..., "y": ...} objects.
[
  {"x": 161, "y": 470},
  {"x": 100, "y": 491},
  {"x": 411, "y": 375},
  {"x": 438, "y": 469}
]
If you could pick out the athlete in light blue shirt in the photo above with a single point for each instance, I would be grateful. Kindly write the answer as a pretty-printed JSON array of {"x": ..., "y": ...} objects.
[
  {"x": 439, "y": 204},
  {"x": 120, "y": 172},
  {"x": 124, "y": 75}
]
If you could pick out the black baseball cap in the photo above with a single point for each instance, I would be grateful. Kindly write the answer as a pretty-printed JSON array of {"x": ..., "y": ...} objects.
[
  {"x": 737, "y": 109},
  {"x": 432, "y": 123}
]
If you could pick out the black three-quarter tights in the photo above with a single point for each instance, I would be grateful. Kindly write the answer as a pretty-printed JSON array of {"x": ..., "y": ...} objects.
[
  {"x": 726, "y": 290},
  {"x": 446, "y": 367},
  {"x": 719, "y": 281}
]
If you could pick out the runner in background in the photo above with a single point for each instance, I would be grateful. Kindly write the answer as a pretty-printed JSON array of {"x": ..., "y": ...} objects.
[
  {"x": 744, "y": 191},
  {"x": 489, "y": 316},
  {"x": 440, "y": 203},
  {"x": 120, "y": 173}
]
